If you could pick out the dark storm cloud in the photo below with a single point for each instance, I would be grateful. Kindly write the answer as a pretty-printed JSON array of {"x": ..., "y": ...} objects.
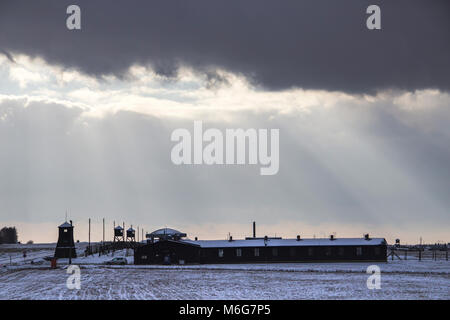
[
  {"x": 278, "y": 44},
  {"x": 8, "y": 56}
]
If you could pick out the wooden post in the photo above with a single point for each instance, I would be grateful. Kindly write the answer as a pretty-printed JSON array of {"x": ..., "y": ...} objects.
[
  {"x": 70, "y": 256},
  {"x": 420, "y": 255},
  {"x": 89, "y": 244}
]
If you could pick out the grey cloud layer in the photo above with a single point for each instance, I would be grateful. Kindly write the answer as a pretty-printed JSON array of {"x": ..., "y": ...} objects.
[
  {"x": 372, "y": 164},
  {"x": 278, "y": 44}
]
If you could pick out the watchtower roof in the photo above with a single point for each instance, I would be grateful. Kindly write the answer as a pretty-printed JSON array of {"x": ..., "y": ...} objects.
[{"x": 66, "y": 225}]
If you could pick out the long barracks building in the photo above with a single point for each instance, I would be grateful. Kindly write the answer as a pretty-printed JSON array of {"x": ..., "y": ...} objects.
[{"x": 169, "y": 246}]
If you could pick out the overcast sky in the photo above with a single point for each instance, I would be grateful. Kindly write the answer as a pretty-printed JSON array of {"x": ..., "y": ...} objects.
[{"x": 86, "y": 116}]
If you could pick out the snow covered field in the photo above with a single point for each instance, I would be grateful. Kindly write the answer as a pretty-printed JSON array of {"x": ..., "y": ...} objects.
[
  {"x": 399, "y": 280},
  {"x": 13, "y": 253}
]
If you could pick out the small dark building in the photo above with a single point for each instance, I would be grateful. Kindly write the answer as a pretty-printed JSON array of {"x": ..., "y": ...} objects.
[
  {"x": 118, "y": 234},
  {"x": 167, "y": 252},
  {"x": 169, "y": 248},
  {"x": 65, "y": 248},
  {"x": 131, "y": 235}
]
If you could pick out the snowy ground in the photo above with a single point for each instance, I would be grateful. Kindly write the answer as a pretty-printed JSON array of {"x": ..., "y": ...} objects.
[
  {"x": 13, "y": 253},
  {"x": 399, "y": 280}
]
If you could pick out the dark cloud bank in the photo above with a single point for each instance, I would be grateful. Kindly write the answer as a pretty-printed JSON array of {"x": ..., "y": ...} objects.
[{"x": 277, "y": 44}]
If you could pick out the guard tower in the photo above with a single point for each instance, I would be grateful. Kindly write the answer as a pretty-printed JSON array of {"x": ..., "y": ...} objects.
[
  {"x": 165, "y": 234},
  {"x": 131, "y": 235},
  {"x": 65, "y": 248},
  {"x": 118, "y": 234}
]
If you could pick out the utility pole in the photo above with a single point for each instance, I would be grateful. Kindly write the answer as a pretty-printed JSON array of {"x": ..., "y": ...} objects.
[
  {"x": 89, "y": 244},
  {"x": 103, "y": 241},
  {"x": 70, "y": 256}
]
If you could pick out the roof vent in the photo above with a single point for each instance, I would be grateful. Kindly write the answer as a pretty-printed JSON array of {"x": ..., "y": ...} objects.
[
  {"x": 366, "y": 236},
  {"x": 298, "y": 237}
]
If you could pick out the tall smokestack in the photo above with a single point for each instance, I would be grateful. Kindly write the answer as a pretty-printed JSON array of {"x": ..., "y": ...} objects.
[{"x": 254, "y": 229}]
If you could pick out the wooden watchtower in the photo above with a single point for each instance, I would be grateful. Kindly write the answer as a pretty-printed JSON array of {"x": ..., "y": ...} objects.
[
  {"x": 131, "y": 235},
  {"x": 65, "y": 248},
  {"x": 119, "y": 234}
]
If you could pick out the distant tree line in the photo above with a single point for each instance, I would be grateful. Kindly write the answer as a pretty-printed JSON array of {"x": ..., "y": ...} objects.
[{"x": 8, "y": 235}]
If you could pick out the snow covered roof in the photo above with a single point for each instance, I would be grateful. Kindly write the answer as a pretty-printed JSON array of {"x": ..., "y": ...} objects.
[
  {"x": 118, "y": 228},
  {"x": 130, "y": 229},
  {"x": 66, "y": 225},
  {"x": 167, "y": 232},
  {"x": 287, "y": 242}
]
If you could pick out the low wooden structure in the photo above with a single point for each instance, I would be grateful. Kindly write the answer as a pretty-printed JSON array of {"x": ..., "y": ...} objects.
[{"x": 172, "y": 249}]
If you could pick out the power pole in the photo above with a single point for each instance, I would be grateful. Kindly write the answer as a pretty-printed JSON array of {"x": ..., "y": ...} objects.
[
  {"x": 89, "y": 244},
  {"x": 103, "y": 241}
]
